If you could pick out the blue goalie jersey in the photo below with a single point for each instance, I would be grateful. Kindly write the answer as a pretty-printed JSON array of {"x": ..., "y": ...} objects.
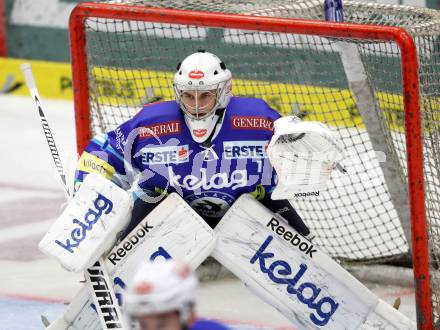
[{"x": 156, "y": 150}]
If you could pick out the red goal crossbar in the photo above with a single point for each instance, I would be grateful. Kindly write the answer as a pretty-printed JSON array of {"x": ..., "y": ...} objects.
[{"x": 409, "y": 66}]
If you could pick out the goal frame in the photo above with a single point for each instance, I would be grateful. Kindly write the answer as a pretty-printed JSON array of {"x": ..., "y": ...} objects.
[{"x": 409, "y": 66}]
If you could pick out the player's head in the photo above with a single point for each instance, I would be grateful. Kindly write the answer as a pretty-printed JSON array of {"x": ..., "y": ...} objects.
[
  {"x": 202, "y": 87},
  {"x": 161, "y": 296}
]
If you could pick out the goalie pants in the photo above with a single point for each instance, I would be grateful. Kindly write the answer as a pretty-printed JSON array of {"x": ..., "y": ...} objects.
[
  {"x": 286, "y": 210},
  {"x": 283, "y": 207}
]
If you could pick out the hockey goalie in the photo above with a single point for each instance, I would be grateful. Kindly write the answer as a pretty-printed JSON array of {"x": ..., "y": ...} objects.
[{"x": 208, "y": 174}]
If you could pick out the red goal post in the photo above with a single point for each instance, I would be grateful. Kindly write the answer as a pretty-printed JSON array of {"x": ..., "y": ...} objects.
[{"x": 412, "y": 117}]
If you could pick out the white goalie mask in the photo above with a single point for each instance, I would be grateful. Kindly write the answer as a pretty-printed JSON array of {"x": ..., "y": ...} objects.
[{"x": 202, "y": 85}]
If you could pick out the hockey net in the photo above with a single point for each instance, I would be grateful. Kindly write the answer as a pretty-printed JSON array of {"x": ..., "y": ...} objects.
[{"x": 124, "y": 58}]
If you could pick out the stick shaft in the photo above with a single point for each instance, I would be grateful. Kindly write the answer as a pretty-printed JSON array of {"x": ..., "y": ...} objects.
[{"x": 30, "y": 82}]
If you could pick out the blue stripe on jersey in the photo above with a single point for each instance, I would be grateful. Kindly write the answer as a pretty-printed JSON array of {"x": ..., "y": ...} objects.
[{"x": 102, "y": 141}]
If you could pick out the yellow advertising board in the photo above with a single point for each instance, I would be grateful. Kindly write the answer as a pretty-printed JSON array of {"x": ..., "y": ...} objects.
[
  {"x": 133, "y": 87},
  {"x": 54, "y": 80}
]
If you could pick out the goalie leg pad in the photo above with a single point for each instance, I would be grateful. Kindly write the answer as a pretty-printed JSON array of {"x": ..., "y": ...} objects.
[
  {"x": 172, "y": 230},
  {"x": 291, "y": 273}
]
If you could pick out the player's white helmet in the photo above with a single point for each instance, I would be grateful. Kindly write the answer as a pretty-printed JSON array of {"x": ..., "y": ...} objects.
[
  {"x": 202, "y": 85},
  {"x": 159, "y": 287}
]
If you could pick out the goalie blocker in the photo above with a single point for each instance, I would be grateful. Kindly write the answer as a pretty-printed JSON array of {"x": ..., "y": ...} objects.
[
  {"x": 89, "y": 225},
  {"x": 294, "y": 276}
]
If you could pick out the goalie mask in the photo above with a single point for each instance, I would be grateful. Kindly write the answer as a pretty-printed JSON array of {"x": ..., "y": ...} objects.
[
  {"x": 159, "y": 287},
  {"x": 202, "y": 88}
]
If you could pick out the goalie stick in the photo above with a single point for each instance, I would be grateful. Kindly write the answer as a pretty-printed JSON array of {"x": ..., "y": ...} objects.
[{"x": 97, "y": 276}]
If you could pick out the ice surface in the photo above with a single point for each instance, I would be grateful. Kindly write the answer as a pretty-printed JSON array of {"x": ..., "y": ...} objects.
[{"x": 30, "y": 196}]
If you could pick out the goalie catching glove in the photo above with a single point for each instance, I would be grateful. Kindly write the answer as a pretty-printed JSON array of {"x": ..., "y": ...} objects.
[{"x": 303, "y": 155}]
